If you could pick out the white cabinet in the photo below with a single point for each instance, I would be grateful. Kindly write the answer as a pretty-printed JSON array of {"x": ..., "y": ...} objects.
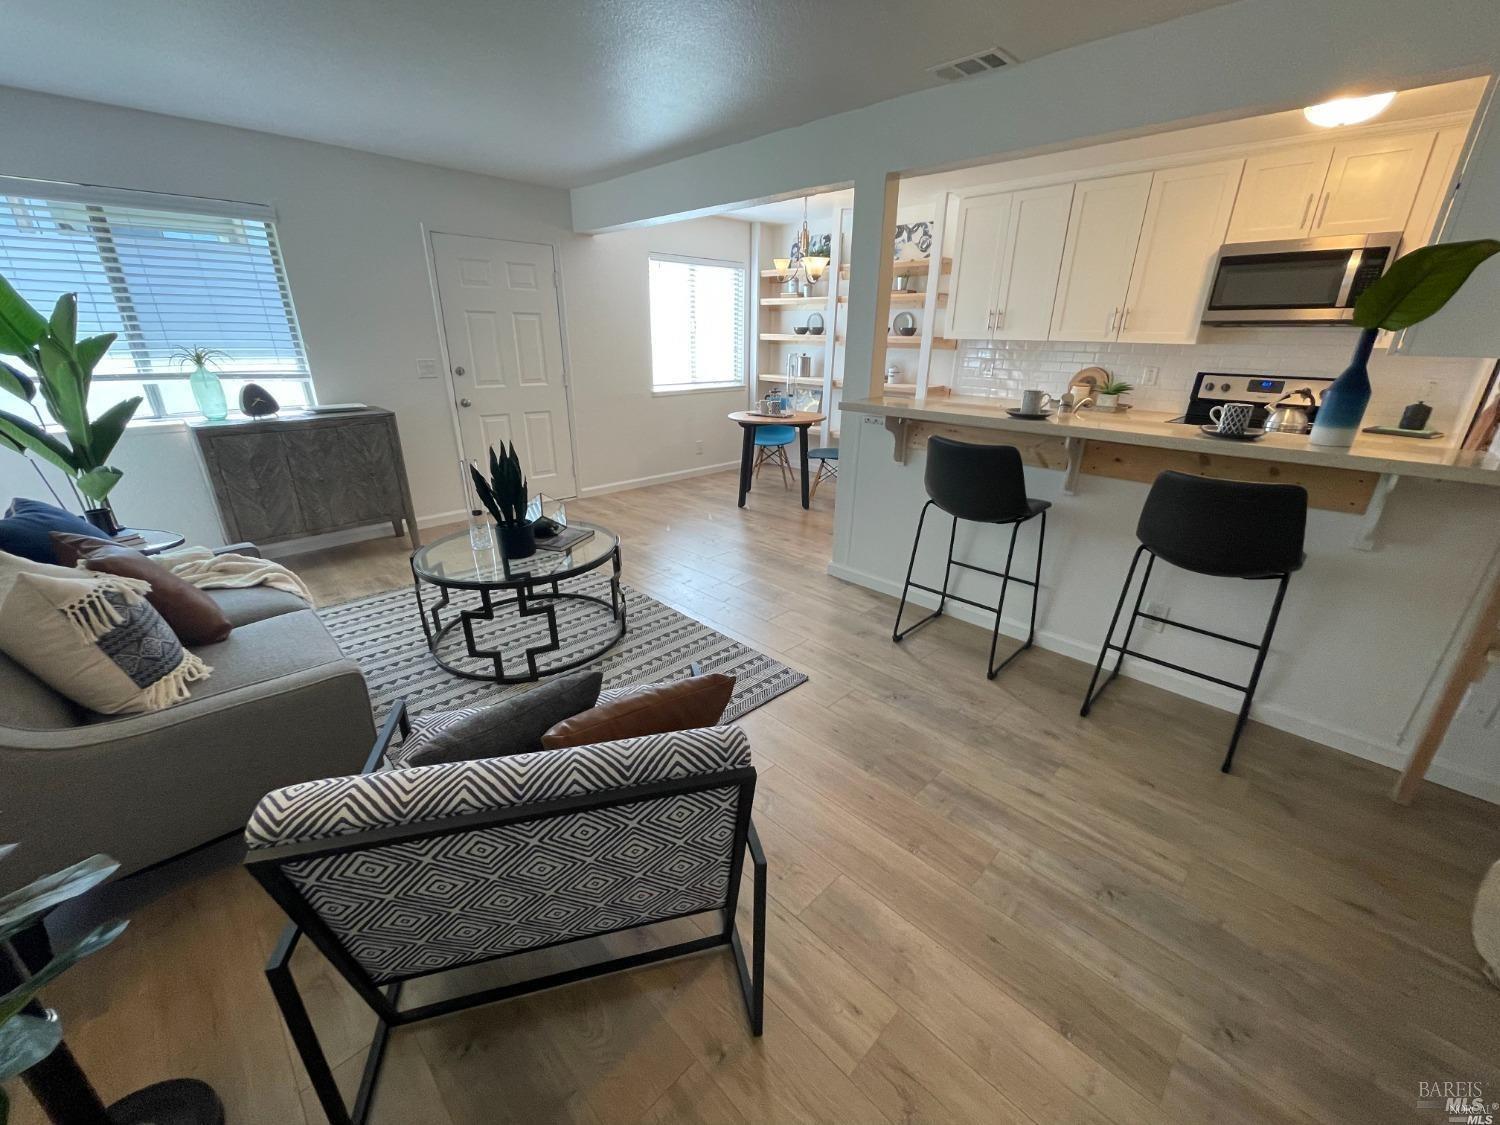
[
  {"x": 1437, "y": 183},
  {"x": 1186, "y": 217},
  {"x": 983, "y": 222},
  {"x": 1371, "y": 184},
  {"x": 1104, "y": 226},
  {"x": 1360, "y": 186},
  {"x": 1027, "y": 280},
  {"x": 1278, "y": 193}
]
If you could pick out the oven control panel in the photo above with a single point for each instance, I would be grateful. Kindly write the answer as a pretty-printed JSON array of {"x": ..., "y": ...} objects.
[{"x": 1221, "y": 387}]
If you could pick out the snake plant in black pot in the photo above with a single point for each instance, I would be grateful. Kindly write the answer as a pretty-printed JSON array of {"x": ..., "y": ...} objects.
[{"x": 504, "y": 494}]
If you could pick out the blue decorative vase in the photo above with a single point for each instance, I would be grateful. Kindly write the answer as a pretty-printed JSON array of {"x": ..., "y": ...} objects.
[
  {"x": 208, "y": 393},
  {"x": 1343, "y": 406}
]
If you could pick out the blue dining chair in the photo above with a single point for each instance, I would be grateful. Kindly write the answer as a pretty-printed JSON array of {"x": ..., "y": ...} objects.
[{"x": 771, "y": 444}]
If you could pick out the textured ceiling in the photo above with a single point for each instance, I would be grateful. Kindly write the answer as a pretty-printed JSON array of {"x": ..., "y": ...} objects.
[{"x": 559, "y": 92}]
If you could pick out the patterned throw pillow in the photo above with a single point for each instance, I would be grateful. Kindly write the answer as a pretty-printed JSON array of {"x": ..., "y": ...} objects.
[{"x": 93, "y": 638}]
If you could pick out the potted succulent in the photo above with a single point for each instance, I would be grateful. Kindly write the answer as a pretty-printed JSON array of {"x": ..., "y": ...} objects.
[
  {"x": 61, "y": 371},
  {"x": 208, "y": 391},
  {"x": 1415, "y": 287},
  {"x": 31, "y": 1046},
  {"x": 504, "y": 494},
  {"x": 1107, "y": 395}
]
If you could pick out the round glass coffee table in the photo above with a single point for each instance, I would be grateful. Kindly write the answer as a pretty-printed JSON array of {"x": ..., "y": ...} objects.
[{"x": 514, "y": 608}]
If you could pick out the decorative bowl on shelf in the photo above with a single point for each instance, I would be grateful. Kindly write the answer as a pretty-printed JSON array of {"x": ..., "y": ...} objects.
[
  {"x": 815, "y": 324},
  {"x": 800, "y": 329},
  {"x": 905, "y": 324}
]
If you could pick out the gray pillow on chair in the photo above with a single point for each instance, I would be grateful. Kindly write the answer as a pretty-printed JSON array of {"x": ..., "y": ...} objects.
[{"x": 512, "y": 726}]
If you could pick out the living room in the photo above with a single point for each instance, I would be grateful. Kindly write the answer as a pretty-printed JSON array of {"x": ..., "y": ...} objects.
[{"x": 475, "y": 679}]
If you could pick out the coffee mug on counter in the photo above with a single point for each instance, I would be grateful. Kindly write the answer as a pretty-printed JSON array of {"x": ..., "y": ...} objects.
[
  {"x": 1232, "y": 417},
  {"x": 1036, "y": 402}
]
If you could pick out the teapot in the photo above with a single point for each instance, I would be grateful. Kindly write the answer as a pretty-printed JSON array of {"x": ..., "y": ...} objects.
[{"x": 1291, "y": 414}]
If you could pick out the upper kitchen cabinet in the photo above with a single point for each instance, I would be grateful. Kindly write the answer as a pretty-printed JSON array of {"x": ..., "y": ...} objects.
[
  {"x": 1104, "y": 226},
  {"x": 983, "y": 221},
  {"x": 1186, "y": 217},
  {"x": 1360, "y": 186},
  {"x": 1371, "y": 184},
  {"x": 1278, "y": 193}
]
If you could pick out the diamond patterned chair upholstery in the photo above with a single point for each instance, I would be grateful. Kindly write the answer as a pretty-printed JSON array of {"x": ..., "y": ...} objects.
[{"x": 405, "y": 872}]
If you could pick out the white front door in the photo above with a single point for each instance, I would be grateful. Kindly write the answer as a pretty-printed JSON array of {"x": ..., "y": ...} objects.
[{"x": 500, "y": 318}]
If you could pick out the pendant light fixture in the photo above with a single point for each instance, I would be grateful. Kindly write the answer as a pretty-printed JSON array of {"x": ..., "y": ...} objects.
[{"x": 1348, "y": 111}]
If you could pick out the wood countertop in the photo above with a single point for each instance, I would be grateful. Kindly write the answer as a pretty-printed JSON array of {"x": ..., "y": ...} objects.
[{"x": 1433, "y": 459}]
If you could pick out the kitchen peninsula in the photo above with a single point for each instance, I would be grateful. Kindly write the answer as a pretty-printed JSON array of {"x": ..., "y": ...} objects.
[{"x": 1403, "y": 540}]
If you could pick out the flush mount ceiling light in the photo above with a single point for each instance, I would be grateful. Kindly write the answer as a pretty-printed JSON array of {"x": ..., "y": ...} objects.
[{"x": 1348, "y": 111}]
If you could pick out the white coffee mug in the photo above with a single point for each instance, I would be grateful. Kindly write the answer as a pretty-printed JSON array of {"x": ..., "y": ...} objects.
[
  {"x": 1232, "y": 417},
  {"x": 1035, "y": 402}
]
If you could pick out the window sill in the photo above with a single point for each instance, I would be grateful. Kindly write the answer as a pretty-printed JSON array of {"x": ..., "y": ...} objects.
[{"x": 696, "y": 389}]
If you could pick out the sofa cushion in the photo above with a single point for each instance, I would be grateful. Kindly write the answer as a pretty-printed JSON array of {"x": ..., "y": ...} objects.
[
  {"x": 514, "y": 725},
  {"x": 28, "y": 704},
  {"x": 697, "y": 701},
  {"x": 25, "y": 529},
  {"x": 255, "y": 603},
  {"x": 193, "y": 615}
]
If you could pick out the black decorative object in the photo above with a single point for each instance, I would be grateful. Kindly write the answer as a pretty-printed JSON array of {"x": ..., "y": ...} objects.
[
  {"x": 257, "y": 402},
  {"x": 518, "y": 542},
  {"x": 103, "y": 517},
  {"x": 1415, "y": 416},
  {"x": 504, "y": 494}
]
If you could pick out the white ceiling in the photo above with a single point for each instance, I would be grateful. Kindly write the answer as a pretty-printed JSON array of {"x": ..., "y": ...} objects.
[{"x": 558, "y": 92}]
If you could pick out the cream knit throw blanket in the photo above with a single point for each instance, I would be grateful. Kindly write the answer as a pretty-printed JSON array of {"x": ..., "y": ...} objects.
[{"x": 206, "y": 570}]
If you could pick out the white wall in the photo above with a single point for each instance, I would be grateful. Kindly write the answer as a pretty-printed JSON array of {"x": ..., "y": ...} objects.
[{"x": 351, "y": 229}]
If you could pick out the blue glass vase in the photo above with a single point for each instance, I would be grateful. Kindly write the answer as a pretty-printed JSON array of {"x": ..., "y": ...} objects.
[
  {"x": 208, "y": 393},
  {"x": 1343, "y": 406}
]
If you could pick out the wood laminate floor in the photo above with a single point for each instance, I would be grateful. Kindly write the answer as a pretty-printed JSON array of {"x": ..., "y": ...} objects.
[{"x": 983, "y": 908}]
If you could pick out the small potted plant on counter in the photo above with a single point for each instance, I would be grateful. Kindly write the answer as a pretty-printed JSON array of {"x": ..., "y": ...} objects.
[
  {"x": 1107, "y": 396},
  {"x": 504, "y": 494}
]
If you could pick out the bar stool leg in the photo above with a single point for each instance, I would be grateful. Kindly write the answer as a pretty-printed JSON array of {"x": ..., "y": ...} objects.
[
  {"x": 1260, "y": 663},
  {"x": 896, "y": 633},
  {"x": 948, "y": 569},
  {"x": 1134, "y": 613},
  {"x": 1036, "y": 589},
  {"x": 1089, "y": 696},
  {"x": 991, "y": 670}
]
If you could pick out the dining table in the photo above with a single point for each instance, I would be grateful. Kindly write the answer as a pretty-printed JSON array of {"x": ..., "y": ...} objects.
[{"x": 749, "y": 421}]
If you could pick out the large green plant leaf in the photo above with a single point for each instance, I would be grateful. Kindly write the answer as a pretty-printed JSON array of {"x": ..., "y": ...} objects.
[
  {"x": 17, "y": 998},
  {"x": 1420, "y": 283},
  {"x": 23, "y": 434},
  {"x": 64, "y": 388},
  {"x": 21, "y": 326},
  {"x": 19, "y": 908},
  {"x": 98, "y": 483},
  {"x": 109, "y": 426},
  {"x": 64, "y": 322},
  {"x": 17, "y": 382},
  {"x": 26, "y": 1041},
  {"x": 91, "y": 350}
]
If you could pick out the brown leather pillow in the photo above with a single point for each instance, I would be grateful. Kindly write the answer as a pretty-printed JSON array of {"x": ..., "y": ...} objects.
[
  {"x": 194, "y": 616},
  {"x": 659, "y": 709}
]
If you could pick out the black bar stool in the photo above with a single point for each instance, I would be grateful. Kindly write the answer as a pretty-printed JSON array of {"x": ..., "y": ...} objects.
[
  {"x": 1224, "y": 528},
  {"x": 983, "y": 484}
]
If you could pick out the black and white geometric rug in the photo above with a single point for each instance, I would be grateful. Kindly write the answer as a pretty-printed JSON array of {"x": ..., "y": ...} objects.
[{"x": 383, "y": 635}]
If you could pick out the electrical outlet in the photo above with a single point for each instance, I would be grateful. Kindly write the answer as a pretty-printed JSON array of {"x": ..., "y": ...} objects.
[
  {"x": 1150, "y": 376},
  {"x": 699, "y": 450},
  {"x": 1158, "y": 608},
  {"x": 427, "y": 369}
]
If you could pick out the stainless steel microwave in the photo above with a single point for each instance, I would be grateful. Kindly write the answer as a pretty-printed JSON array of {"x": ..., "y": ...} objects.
[{"x": 1298, "y": 281}]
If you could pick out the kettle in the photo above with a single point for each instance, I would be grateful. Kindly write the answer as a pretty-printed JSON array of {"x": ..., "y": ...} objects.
[{"x": 1290, "y": 414}]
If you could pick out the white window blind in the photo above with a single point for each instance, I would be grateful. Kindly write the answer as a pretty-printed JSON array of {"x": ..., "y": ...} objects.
[
  {"x": 697, "y": 323},
  {"x": 161, "y": 279}
]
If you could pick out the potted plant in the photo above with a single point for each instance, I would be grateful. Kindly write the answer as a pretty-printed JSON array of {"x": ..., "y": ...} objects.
[
  {"x": 61, "y": 369},
  {"x": 504, "y": 494},
  {"x": 31, "y": 1046},
  {"x": 1415, "y": 287},
  {"x": 208, "y": 391},
  {"x": 1107, "y": 395}
]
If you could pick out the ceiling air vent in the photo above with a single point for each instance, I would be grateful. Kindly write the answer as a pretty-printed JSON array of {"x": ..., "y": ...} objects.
[{"x": 970, "y": 65}]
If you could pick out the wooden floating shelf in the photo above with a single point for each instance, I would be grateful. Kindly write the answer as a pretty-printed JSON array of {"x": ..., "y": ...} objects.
[
  {"x": 907, "y": 297},
  {"x": 793, "y": 302},
  {"x": 941, "y": 343},
  {"x": 797, "y": 382},
  {"x": 907, "y": 267},
  {"x": 909, "y": 390},
  {"x": 791, "y": 337}
]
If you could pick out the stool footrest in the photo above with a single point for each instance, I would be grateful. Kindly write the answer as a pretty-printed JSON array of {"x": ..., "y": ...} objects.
[
  {"x": 991, "y": 573},
  {"x": 1195, "y": 629},
  {"x": 1178, "y": 667}
]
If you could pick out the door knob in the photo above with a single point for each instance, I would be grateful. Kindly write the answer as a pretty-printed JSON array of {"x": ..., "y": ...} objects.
[
  {"x": 464, "y": 402},
  {"x": 458, "y": 371}
]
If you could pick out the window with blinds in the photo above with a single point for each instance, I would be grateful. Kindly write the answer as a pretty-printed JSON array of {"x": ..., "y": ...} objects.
[
  {"x": 697, "y": 323},
  {"x": 185, "y": 274}
]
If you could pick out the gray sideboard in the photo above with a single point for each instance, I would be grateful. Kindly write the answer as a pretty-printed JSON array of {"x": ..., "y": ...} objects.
[{"x": 283, "y": 478}]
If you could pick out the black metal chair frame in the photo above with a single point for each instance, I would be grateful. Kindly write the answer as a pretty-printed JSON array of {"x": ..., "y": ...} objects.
[
  {"x": 383, "y": 997},
  {"x": 1123, "y": 649},
  {"x": 898, "y": 634}
]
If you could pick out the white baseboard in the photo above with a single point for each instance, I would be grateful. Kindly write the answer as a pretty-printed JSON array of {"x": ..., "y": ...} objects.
[
  {"x": 355, "y": 535},
  {"x": 659, "y": 478},
  {"x": 1272, "y": 714}
]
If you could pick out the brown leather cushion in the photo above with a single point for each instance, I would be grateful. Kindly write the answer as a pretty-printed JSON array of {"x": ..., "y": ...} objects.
[
  {"x": 659, "y": 709},
  {"x": 194, "y": 616}
]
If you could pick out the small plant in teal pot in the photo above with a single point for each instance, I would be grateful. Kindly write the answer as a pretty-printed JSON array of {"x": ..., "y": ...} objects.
[{"x": 1417, "y": 286}]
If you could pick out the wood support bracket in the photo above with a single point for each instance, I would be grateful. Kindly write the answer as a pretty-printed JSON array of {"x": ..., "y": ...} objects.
[
  {"x": 1074, "y": 447},
  {"x": 900, "y": 431},
  {"x": 1369, "y": 522}
]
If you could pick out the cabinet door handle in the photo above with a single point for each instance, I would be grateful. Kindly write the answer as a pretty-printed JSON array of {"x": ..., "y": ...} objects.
[
  {"x": 1125, "y": 318},
  {"x": 1307, "y": 209},
  {"x": 989, "y": 321},
  {"x": 999, "y": 319},
  {"x": 1323, "y": 209},
  {"x": 1110, "y": 325}
]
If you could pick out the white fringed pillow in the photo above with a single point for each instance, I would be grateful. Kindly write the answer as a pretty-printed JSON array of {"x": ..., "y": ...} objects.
[{"x": 93, "y": 638}]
